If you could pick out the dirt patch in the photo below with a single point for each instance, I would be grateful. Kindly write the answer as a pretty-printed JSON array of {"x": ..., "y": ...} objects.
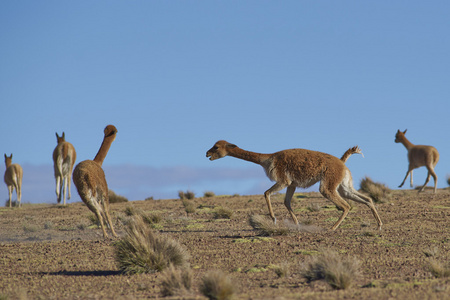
[{"x": 55, "y": 252}]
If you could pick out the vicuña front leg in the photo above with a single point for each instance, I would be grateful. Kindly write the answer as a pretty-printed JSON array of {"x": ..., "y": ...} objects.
[
  {"x": 275, "y": 188},
  {"x": 404, "y": 179}
]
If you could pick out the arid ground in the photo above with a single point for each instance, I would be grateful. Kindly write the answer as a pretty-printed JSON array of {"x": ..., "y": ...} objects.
[{"x": 54, "y": 252}]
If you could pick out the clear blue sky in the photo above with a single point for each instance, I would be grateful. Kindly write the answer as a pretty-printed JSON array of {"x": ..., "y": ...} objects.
[{"x": 176, "y": 76}]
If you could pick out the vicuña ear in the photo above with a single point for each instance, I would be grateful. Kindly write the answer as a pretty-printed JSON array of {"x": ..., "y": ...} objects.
[
  {"x": 404, "y": 131},
  {"x": 231, "y": 146}
]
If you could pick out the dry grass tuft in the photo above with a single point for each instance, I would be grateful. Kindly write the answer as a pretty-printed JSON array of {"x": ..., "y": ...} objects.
[
  {"x": 431, "y": 251},
  {"x": 149, "y": 218},
  {"x": 304, "y": 227},
  {"x": 337, "y": 271},
  {"x": 266, "y": 226},
  {"x": 186, "y": 195},
  {"x": 93, "y": 220},
  {"x": 14, "y": 203},
  {"x": 217, "y": 285},
  {"x": 176, "y": 282},
  {"x": 438, "y": 269},
  {"x": 314, "y": 207},
  {"x": 143, "y": 251},
  {"x": 189, "y": 206},
  {"x": 222, "y": 213},
  {"x": 282, "y": 270},
  {"x": 378, "y": 191},
  {"x": 114, "y": 198},
  {"x": 208, "y": 194}
]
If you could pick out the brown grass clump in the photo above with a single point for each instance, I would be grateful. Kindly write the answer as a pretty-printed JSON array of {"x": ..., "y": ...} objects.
[
  {"x": 222, "y": 213},
  {"x": 189, "y": 206},
  {"x": 143, "y": 251},
  {"x": 266, "y": 226},
  {"x": 149, "y": 218},
  {"x": 438, "y": 269},
  {"x": 378, "y": 191},
  {"x": 208, "y": 194},
  {"x": 329, "y": 266},
  {"x": 186, "y": 195},
  {"x": 217, "y": 285},
  {"x": 114, "y": 198},
  {"x": 176, "y": 282},
  {"x": 14, "y": 203},
  {"x": 282, "y": 270},
  {"x": 314, "y": 207},
  {"x": 431, "y": 251}
]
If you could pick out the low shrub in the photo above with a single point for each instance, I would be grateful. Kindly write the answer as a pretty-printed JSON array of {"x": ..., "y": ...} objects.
[
  {"x": 438, "y": 269},
  {"x": 114, "y": 198},
  {"x": 14, "y": 203},
  {"x": 208, "y": 194},
  {"x": 49, "y": 225},
  {"x": 431, "y": 251},
  {"x": 186, "y": 195},
  {"x": 189, "y": 206},
  {"x": 338, "y": 271},
  {"x": 314, "y": 207},
  {"x": 93, "y": 220},
  {"x": 377, "y": 191},
  {"x": 282, "y": 270},
  {"x": 144, "y": 251},
  {"x": 217, "y": 285},
  {"x": 266, "y": 226},
  {"x": 222, "y": 213},
  {"x": 149, "y": 218},
  {"x": 176, "y": 282},
  {"x": 30, "y": 228}
]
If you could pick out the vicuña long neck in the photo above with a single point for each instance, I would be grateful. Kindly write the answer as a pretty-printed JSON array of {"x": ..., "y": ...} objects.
[
  {"x": 408, "y": 145},
  {"x": 104, "y": 148},
  {"x": 253, "y": 157}
]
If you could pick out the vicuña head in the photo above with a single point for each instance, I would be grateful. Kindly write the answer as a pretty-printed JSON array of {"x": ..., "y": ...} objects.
[
  {"x": 302, "y": 168},
  {"x": 60, "y": 139},
  {"x": 219, "y": 150}
]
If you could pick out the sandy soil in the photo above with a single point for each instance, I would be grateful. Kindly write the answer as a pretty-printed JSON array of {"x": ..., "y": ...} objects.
[{"x": 53, "y": 252}]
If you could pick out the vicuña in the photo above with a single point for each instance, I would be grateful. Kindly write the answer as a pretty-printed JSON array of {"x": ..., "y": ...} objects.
[{"x": 302, "y": 168}]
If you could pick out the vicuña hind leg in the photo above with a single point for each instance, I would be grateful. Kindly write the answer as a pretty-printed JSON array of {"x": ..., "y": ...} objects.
[
  {"x": 102, "y": 224},
  {"x": 352, "y": 194},
  {"x": 287, "y": 202},
  {"x": 430, "y": 173},
  {"x": 10, "y": 192},
  {"x": 108, "y": 219},
  {"x": 331, "y": 194}
]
